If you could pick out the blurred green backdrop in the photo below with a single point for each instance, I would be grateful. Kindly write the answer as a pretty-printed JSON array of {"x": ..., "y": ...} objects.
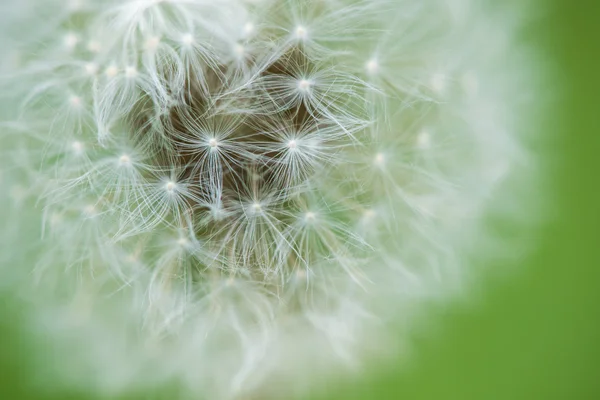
[{"x": 533, "y": 336}]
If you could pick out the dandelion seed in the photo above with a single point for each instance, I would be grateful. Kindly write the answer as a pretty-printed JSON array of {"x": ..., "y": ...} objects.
[
  {"x": 424, "y": 139},
  {"x": 372, "y": 67},
  {"x": 91, "y": 68},
  {"x": 90, "y": 211},
  {"x": 438, "y": 82},
  {"x": 94, "y": 46},
  {"x": 249, "y": 29},
  {"x": 301, "y": 32},
  {"x": 310, "y": 216},
  {"x": 304, "y": 85},
  {"x": 213, "y": 143},
  {"x": 55, "y": 220},
  {"x": 187, "y": 39},
  {"x": 239, "y": 50},
  {"x": 75, "y": 101},
  {"x": 152, "y": 43},
  {"x": 71, "y": 40},
  {"x": 170, "y": 187},
  {"x": 125, "y": 160},
  {"x": 77, "y": 147},
  {"x": 111, "y": 71},
  {"x": 369, "y": 214},
  {"x": 131, "y": 72}
]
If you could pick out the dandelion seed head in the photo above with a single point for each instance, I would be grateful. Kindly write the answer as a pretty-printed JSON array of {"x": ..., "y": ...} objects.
[{"x": 238, "y": 190}]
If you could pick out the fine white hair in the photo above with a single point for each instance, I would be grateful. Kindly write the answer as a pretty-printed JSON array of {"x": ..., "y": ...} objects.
[{"x": 239, "y": 195}]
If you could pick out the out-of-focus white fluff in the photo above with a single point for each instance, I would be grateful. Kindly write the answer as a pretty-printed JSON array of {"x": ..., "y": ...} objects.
[{"x": 345, "y": 154}]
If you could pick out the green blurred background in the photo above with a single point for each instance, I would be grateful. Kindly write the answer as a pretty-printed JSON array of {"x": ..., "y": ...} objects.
[{"x": 533, "y": 336}]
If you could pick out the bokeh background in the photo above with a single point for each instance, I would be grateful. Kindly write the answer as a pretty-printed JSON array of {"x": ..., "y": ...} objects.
[{"x": 532, "y": 335}]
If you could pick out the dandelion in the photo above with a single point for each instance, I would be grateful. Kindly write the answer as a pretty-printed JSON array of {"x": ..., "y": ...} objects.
[{"x": 234, "y": 191}]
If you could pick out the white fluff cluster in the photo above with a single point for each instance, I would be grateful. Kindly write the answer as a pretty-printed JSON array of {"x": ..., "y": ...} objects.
[{"x": 232, "y": 194}]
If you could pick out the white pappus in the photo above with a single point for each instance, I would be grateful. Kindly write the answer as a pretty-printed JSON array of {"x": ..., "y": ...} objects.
[{"x": 238, "y": 195}]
